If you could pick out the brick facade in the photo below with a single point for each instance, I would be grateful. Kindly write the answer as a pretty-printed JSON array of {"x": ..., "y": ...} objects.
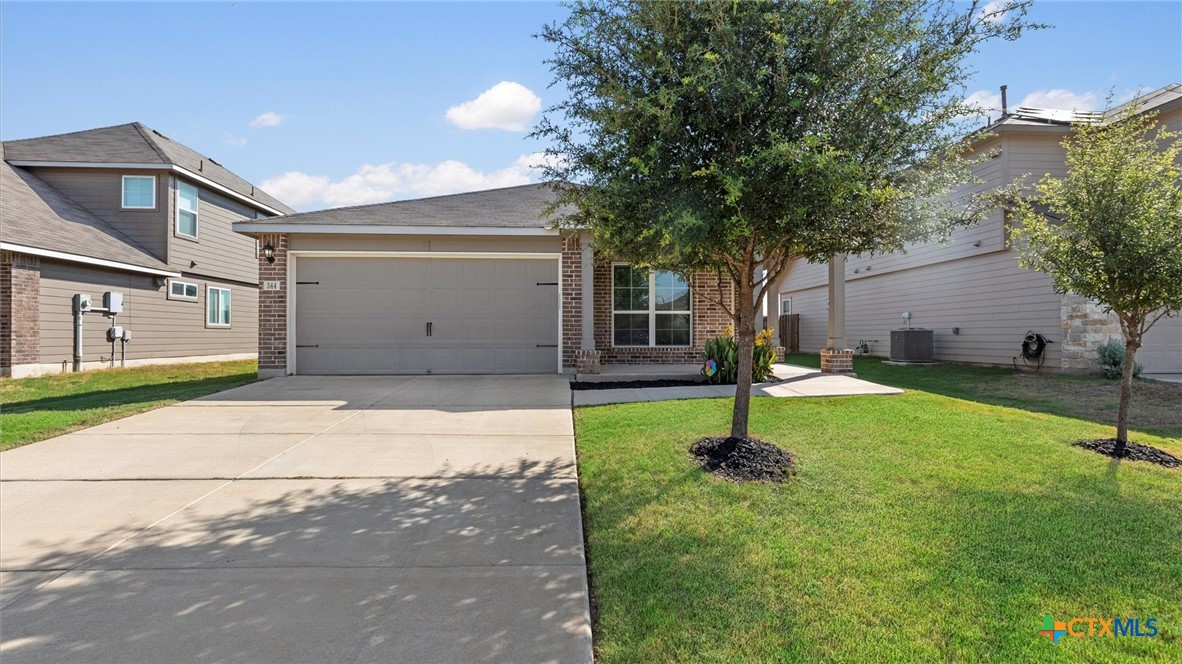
[
  {"x": 572, "y": 298},
  {"x": 20, "y": 310},
  {"x": 273, "y": 308},
  {"x": 709, "y": 320},
  {"x": 837, "y": 361}
]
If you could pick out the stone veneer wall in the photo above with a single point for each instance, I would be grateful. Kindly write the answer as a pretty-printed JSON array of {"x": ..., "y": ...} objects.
[
  {"x": 1085, "y": 327},
  {"x": 20, "y": 310},
  {"x": 708, "y": 320},
  {"x": 273, "y": 308}
]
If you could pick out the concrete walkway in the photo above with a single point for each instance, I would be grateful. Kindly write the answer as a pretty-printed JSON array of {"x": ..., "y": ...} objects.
[
  {"x": 794, "y": 381},
  {"x": 400, "y": 519}
]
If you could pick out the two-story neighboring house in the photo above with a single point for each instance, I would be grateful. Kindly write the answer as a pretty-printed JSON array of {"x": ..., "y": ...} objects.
[
  {"x": 124, "y": 209},
  {"x": 970, "y": 290}
]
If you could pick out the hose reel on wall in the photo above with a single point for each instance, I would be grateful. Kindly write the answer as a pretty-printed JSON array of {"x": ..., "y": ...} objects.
[{"x": 1033, "y": 353}]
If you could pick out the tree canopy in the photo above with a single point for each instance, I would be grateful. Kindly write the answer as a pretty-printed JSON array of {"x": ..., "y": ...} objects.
[{"x": 737, "y": 136}]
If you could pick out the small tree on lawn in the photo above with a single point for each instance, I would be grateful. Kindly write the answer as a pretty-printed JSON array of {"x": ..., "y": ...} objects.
[
  {"x": 735, "y": 137},
  {"x": 1111, "y": 230}
]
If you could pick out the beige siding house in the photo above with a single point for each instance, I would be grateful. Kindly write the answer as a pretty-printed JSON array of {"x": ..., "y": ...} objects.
[
  {"x": 124, "y": 209},
  {"x": 970, "y": 290}
]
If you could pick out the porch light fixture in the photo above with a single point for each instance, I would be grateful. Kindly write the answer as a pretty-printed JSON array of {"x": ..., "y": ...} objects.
[{"x": 269, "y": 252}]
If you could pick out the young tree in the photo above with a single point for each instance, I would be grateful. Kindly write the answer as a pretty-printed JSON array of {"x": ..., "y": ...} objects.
[
  {"x": 737, "y": 136},
  {"x": 1111, "y": 230}
]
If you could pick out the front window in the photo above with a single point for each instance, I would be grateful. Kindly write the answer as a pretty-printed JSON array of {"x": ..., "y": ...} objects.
[
  {"x": 139, "y": 192},
  {"x": 786, "y": 306},
  {"x": 218, "y": 307},
  {"x": 186, "y": 209},
  {"x": 649, "y": 308}
]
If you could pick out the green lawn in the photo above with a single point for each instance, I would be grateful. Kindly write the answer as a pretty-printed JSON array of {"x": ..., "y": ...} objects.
[
  {"x": 33, "y": 409},
  {"x": 1157, "y": 406},
  {"x": 919, "y": 528}
]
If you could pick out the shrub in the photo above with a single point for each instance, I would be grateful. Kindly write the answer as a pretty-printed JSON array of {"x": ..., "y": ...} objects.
[
  {"x": 1111, "y": 356},
  {"x": 724, "y": 353}
]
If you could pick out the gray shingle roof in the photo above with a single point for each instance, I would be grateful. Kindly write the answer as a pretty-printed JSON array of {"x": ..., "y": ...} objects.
[
  {"x": 132, "y": 143},
  {"x": 35, "y": 214},
  {"x": 511, "y": 207}
]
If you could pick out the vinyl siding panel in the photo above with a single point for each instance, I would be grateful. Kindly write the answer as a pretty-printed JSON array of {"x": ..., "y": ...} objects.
[
  {"x": 991, "y": 300},
  {"x": 161, "y": 328},
  {"x": 218, "y": 251},
  {"x": 101, "y": 192}
]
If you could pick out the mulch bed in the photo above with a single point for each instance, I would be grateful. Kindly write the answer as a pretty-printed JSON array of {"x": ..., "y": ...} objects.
[
  {"x": 627, "y": 384},
  {"x": 744, "y": 459},
  {"x": 1132, "y": 452}
]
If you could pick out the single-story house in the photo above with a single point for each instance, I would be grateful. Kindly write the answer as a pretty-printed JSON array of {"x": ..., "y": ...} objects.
[
  {"x": 970, "y": 291},
  {"x": 128, "y": 211},
  {"x": 480, "y": 282}
]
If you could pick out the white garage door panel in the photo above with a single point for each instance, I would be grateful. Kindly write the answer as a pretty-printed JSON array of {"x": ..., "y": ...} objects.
[
  {"x": 370, "y": 315},
  {"x": 1161, "y": 351}
]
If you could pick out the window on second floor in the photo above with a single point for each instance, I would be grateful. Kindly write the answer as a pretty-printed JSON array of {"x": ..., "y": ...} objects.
[
  {"x": 186, "y": 209},
  {"x": 139, "y": 192}
]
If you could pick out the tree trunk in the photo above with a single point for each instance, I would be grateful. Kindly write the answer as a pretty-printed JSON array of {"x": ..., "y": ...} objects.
[
  {"x": 745, "y": 342},
  {"x": 1126, "y": 394}
]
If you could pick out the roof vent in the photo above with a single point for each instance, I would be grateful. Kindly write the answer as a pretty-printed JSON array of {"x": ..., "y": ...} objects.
[{"x": 1058, "y": 116}]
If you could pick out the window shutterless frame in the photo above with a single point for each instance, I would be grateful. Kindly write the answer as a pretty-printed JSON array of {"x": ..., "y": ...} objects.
[
  {"x": 785, "y": 306},
  {"x": 651, "y": 310},
  {"x": 186, "y": 209},
  {"x": 217, "y": 307},
  {"x": 133, "y": 190},
  {"x": 182, "y": 290}
]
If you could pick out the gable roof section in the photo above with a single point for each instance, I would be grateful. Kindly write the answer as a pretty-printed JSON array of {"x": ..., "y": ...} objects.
[
  {"x": 133, "y": 143},
  {"x": 37, "y": 216},
  {"x": 512, "y": 210}
]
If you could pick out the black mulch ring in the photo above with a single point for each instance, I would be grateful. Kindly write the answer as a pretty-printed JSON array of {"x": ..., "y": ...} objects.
[
  {"x": 1132, "y": 452},
  {"x": 744, "y": 459},
  {"x": 625, "y": 384}
]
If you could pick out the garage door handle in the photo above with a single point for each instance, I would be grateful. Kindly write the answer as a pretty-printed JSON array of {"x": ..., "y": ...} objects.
[
  {"x": 307, "y": 345},
  {"x": 546, "y": 345},
  {"x": 428, "y": 329}
]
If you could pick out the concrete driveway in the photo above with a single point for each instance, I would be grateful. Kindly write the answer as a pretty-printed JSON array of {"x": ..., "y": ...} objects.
[{"x": 305, "y": 519}]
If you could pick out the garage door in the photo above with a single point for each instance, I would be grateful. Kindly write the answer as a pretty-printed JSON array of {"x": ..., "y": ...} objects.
[{"x": 426, "y": 315}]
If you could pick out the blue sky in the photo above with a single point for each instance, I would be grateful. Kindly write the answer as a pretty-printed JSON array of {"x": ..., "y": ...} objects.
[{"x": 350, "y": 102}]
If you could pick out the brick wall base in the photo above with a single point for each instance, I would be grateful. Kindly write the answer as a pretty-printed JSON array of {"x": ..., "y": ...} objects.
[
  {"x": 273, "y": 309},
  {"x": 837, "y": 362},
  {"x": 20, "y": 310},
  {"x": 587, "y": 361}
]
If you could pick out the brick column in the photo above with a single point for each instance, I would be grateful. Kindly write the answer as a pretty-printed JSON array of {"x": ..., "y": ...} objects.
[
  {"x": 273, "y": 309},
  {"x": 20, "y": 312},
  {"x": 837, "y": 361},
  {"x": 572, "y": 300}
]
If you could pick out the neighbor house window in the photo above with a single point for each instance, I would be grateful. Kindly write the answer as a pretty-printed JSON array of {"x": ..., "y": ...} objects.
[
  {"x": 217, "y": 307},
  {"x": 139, "y": 192},
  {"x": 186, "y": 209},
  {"x": 182, "y": 290},
  {"x": 785, "y": 306},
  {"x": 649, "y": 308}
]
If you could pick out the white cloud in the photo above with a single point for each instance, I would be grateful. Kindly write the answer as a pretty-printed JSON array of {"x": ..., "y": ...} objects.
[
  {"x": 268, "y": 119},
  {"x": 235, "y": 141},
  {"x": 985, "y": 100},
  {"x": 506, "y": 105},
  {"x": 1067, "y": 100},
  {"x": 991, "y": 13},
  {"x": 394, "y": 180}
]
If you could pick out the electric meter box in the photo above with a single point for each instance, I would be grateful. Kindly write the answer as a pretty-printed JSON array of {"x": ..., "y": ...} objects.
[
  {"x": 127, "y": 335},
  {"x": 114, "y": 333},
  {"x": 113, "y": 302},
  {"x": 81, "y": 302}
]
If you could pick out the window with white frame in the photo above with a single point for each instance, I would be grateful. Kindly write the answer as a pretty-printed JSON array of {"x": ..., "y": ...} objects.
[
  {"x": 139, "y": 192},
  {"x": 785, "y": 306},
  {"x": 649, "y": 308},
  {"x": 182, "y": 290},
  {"x": 217, "y": 302},
  {"x": 186, "y": 209}
]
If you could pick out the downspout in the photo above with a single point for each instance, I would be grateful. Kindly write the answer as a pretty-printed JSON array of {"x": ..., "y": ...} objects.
[{"x": 77, "y": 333}]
